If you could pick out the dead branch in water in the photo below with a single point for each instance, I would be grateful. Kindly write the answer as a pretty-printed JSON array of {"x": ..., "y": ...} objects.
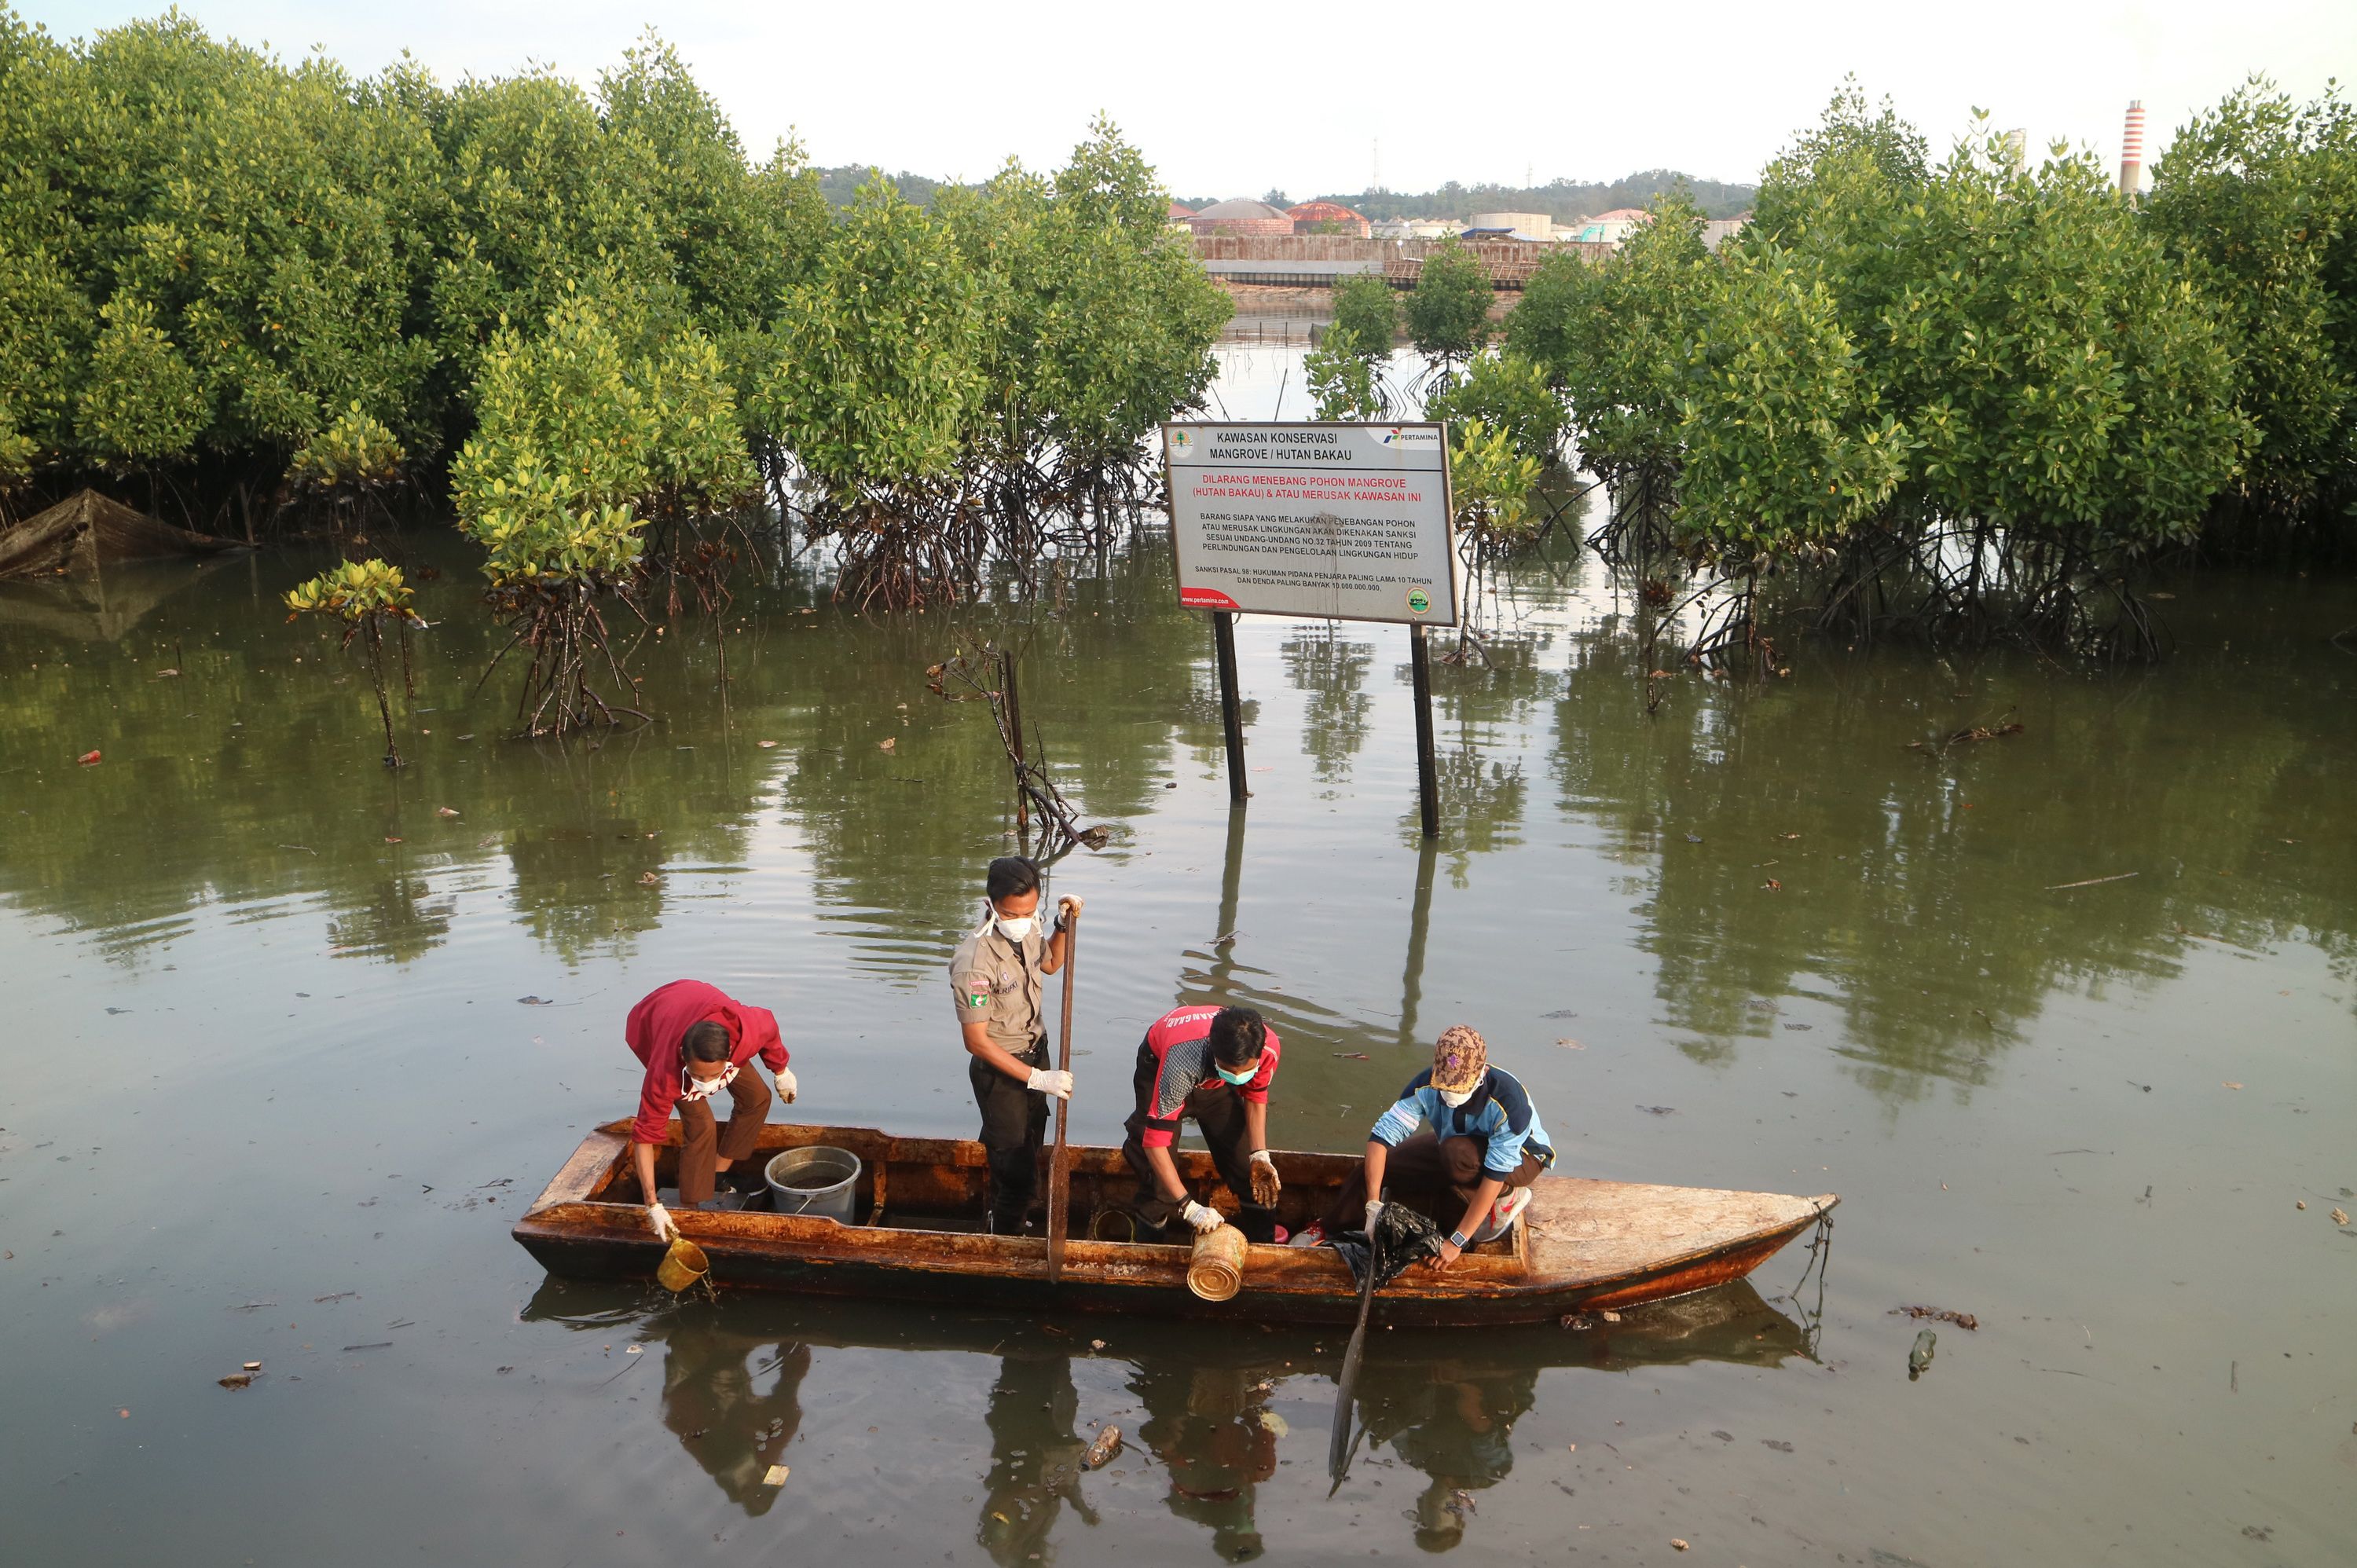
[
  {"x": 985, "y": 673},
  {"x": 1967, "y": 735}
]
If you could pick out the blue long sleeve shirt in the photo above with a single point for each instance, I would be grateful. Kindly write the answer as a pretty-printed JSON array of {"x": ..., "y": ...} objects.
[{"x": 1500, "y": 1113}]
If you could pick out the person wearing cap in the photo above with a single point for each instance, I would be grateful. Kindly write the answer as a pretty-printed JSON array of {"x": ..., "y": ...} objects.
[
  {"x": 1214, "y": 1064},
  {"x": 1482, "y": 1142},
  {"x": 995, "y": 976}
]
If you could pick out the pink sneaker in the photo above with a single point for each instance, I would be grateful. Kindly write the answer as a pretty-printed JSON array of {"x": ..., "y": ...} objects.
[{"x": 1310, "y": 1235}]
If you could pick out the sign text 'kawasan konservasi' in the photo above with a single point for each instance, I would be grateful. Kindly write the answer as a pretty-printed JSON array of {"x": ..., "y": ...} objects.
[{"x": 1343, "y": 521}]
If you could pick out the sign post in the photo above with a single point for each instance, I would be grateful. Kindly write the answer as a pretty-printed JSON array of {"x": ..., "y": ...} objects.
[
  {"x": 1224, "y": 638},
  {"x": 1334, "y": 521}
]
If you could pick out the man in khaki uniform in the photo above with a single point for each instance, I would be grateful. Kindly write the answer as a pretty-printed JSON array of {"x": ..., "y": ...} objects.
[{"x": 995, "y": 978}]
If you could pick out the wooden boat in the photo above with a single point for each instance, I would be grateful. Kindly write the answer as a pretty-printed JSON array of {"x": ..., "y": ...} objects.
[{"x": 1584, "y": 1245}]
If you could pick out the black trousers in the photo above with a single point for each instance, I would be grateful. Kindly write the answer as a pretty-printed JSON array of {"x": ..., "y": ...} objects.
[
  {"x": 1014, "y": 1125},
  {"x": 1220, "y": 1114}
]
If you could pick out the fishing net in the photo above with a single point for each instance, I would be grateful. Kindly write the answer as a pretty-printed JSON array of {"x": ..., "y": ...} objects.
[{"x": 1403, "y": 1237}]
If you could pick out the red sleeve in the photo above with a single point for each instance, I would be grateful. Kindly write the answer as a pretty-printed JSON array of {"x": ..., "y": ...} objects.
[
  {"x": 1256, "y": 1091},
  {"x": 761, "y": 1029},
  {"x": 657, "y": 1095}
]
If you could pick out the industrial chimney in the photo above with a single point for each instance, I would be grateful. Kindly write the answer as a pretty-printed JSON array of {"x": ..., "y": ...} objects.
[{"x": 2132, "y": 150}]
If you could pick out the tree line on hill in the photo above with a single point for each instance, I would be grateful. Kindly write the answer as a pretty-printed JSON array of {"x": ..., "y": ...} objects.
[{"x": 1564, "y": 201}]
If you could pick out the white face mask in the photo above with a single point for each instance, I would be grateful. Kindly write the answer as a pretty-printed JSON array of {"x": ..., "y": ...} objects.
[
  {"x": 1014, "y": 929},
  {"x": 693, "y": 1088},
  {"x": 1453, "y": 1098}
]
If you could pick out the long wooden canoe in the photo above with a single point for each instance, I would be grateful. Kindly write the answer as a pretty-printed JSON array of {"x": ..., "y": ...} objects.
[{"x": 1584, "y": 1245}]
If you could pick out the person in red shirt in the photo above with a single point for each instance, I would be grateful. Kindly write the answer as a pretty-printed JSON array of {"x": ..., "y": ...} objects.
[
  {"x": 1214, "y": 1064},
  {"x": 696, "y": 1042}
]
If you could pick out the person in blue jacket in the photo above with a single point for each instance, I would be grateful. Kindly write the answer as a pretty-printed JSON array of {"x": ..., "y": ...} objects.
[{"x": 1482, "y": 1142}]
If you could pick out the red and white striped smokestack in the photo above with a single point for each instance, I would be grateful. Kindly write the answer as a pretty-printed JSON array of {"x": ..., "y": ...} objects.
[{"x": 2132, "y": 150}]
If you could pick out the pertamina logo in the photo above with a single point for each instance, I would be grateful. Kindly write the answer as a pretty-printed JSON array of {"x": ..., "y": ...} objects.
[{"x": 1397, "y": 437}]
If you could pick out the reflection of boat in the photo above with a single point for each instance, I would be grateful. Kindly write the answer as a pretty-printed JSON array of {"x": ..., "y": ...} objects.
[
  {"x": 1443, "y": 1403},
  {"x": 95, "y": 609},
  {"x": 1587, "y": 1244}
]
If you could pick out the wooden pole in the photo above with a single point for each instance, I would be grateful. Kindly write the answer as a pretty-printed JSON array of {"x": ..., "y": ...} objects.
[
  {"x": 1427, "y": 771},
  {"x": 1059, "y": 1170},
  {"x": 1223, "y": 635}
]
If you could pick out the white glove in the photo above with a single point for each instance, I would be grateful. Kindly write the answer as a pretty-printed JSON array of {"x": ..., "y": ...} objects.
[
  {"x": 660, "y": 1219},
  {"x": 1066, "y": 906},
  {"x": 1048, "y": 1080},
  {"x": 1374, "y": 1206},
  {"x": 1261, "y": 1157},
  {"x": 1204, "y": 1220},
  {"x": 787, "y": 1087}
]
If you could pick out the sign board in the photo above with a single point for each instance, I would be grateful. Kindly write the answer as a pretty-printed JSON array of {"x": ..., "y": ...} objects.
[{"x": 1340, "y": 521}]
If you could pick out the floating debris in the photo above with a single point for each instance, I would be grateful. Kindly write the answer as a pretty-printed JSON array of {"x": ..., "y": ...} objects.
[
  {"x": 1964, "y": 1320},
  {"x": 776, "y": 1475},
  {"x": 1920, "y": 1358},
  {"x": 1101, "y": 1452}
]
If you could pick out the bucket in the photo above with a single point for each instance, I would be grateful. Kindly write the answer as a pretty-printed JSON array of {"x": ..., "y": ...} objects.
[
  {"x": 682, "y": 1264},
  {"x": 818, "y": 1181},
  {"x": 1217, "y": 1270},
  {"x": 1113, "y": 1225}
]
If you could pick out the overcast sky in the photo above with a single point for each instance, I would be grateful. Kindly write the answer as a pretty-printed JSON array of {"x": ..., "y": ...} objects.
[{"x": 1233, "y": 99}]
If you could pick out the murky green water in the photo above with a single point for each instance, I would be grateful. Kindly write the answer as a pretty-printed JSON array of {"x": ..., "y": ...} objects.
[{"x": 270, "y": 1094}]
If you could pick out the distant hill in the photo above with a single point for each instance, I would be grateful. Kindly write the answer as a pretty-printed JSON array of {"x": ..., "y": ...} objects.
[
  {"x": 1561, "y": 199},
  {"x": 840, "y": 184}
]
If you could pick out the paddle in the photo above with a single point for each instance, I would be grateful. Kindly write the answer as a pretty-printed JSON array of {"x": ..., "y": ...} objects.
[
  {"x": 1060, "y": 1175},
  {"x": 1338, "y": 1454}
]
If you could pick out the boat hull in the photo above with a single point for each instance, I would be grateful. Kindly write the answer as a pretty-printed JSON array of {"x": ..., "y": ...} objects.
[{"x": 1586, "y": 1245}]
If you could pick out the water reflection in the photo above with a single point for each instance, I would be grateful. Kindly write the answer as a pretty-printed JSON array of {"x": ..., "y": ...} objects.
[
  {"x": 1330, "y": 666},
  {"x": 1794, "y": 866},
  {"x": 1208, "y": 1437},
  {"x": 1456, "y": 1423},
  {"x": 1809, "y": 868},
  {"x": 714, "y": 1402},
  {"x": 1034, "y": 1459}
]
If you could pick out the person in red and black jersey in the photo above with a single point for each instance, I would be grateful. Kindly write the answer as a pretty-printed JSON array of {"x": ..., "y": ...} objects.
[{"x": 1214, "y": 1064}]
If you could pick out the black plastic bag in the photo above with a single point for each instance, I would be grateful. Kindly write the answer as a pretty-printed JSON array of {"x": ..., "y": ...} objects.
[{"x": 1405, "y": 1238}]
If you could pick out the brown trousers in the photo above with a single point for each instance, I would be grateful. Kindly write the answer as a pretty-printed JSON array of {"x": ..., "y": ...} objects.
[
  {"x": 1421, "y": 1170},
  {"x": 703, "y": 1143}
]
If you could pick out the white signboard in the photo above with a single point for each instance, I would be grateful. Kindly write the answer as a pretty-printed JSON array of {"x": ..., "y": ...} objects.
[{"x": 1343, "y": 521}]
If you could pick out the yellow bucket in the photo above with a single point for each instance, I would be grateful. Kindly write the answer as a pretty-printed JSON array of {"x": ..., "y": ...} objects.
[{"x": 684, "y": 1263}]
